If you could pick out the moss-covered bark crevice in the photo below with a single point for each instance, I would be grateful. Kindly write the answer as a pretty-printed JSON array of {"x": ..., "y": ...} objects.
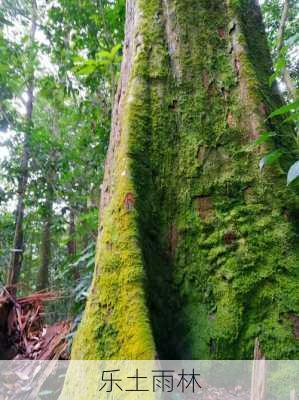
[{"x": 204, "y": 258}]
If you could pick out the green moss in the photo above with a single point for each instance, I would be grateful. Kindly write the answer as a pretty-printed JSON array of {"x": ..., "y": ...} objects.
[
  {"x": 116, "y": 323},
  {"x": 174, "y": 277}
]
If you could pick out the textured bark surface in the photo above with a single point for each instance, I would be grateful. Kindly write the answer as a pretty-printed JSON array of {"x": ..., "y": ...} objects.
[{"x": 196, "y": 255}]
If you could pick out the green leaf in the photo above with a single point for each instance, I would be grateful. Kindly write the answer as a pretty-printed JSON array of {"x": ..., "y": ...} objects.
[
  {"x": 285, "y": 109},
  {"x": 103, "y": 62},
  {"x": 115, "y": 50},
  {"x": 87, "y": 69},
  {"x": 279, "y": 66},
  {"x": 293, "y": 172},
  {"x": 79, "y": 58},
  {"x": 103, "y": 54},
  {"x": 118, "y": 59},
  {"x": 292, "y": 118},
  {"x": 264, "y": 137},
  {"x": 270, "y": 158}
]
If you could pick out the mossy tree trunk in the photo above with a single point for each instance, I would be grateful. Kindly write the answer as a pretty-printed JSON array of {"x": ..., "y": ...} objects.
[{"x": 196, "y": 256}]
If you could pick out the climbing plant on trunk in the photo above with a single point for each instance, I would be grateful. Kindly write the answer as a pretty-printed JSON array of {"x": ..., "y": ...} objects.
[{"x": 196, "y": 255}]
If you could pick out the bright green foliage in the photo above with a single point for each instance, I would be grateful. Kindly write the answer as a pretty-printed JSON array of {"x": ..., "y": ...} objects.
[
  {"x": 281, "y": 18},
  {"x": 71, "y": 122},
  {"x": 272, "y": 12}
]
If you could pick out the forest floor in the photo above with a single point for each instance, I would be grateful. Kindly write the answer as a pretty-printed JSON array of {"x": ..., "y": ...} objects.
[{"x": 24, "y": 335}]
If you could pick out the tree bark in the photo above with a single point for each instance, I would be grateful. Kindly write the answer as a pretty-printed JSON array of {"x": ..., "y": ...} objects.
[
  {"x": 293, "y": 395},
  {"x": 18, "y": 243},
  {"x": 196, "y": 248}
]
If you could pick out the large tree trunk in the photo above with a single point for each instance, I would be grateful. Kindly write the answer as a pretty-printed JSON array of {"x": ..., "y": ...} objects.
[
  {"x": 196, "y": 255},
  {"x": 18, "y": 243}
]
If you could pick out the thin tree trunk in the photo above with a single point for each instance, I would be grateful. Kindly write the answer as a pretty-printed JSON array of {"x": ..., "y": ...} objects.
[
  {"x": 71, "y": 245},
  {"x": 293, "y": 395},
  {"x": 290, "y": 85},
  {"x": 282, "y": 25},
  {"x": 258, "y": 378},
  {"x": 46, "y": 241},
  {"x": 43, "y": 274},
  {"x": 197, "y": 250},
  {"x": 18, "y": 243}
]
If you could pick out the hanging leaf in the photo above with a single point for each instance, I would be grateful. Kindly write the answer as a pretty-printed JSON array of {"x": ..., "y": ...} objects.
[
  {"x": 270, "y": 158},
  {"x": 285, "y": 109},
  {"x": 86, "y": 69},
  {"x": 293, "y": 172},
  {"x": 279, "y": 66}
]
